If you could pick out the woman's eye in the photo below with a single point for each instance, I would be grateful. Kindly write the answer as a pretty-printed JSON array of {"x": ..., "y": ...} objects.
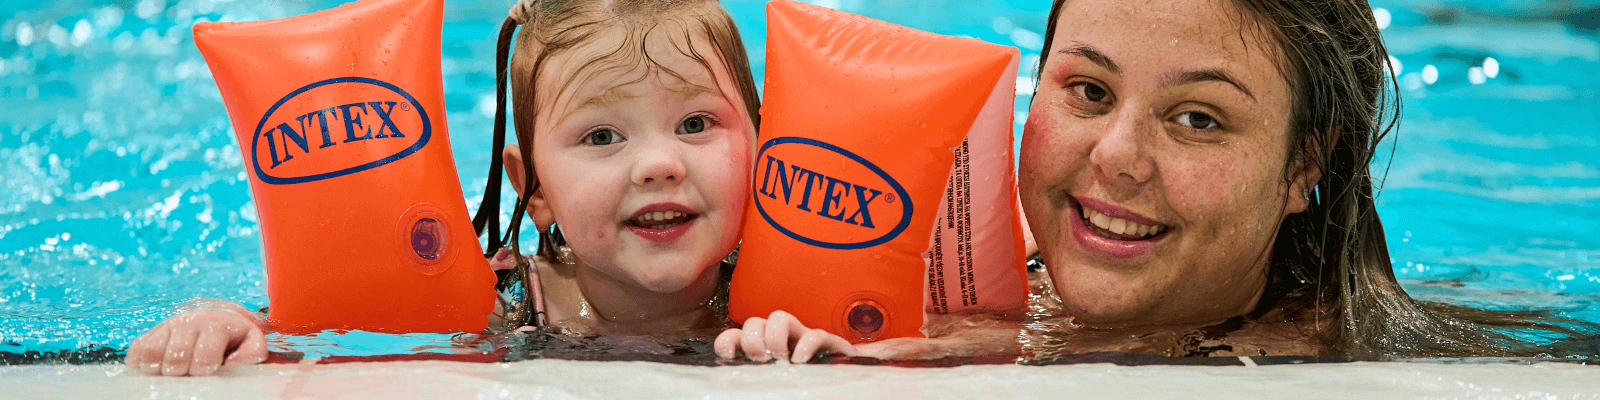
[
  {"x": 1197, "y": 120},
  {"x": 695, "y": 124},
  {"x": 1091, "y": 92},
  {"x": 602, "y": 137}
]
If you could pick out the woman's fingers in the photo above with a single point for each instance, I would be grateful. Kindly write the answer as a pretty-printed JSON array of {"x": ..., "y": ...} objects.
[
  {"x": 817, "y": 341},
  {"x": 754, "y": 341}
]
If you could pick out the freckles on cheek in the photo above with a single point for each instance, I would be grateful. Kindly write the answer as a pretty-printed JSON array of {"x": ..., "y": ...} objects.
[
  {"x": 1033, "y": 129},
  {"x": 1033, "y": 140},
  {"x": 1206, "y": 181},
  {"x": 1044, "y": 145}
]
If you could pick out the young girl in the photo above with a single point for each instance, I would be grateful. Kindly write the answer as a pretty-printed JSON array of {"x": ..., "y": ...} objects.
[
  {"x": 637, "y": 120},
  {"x": 639, "y": 117}
]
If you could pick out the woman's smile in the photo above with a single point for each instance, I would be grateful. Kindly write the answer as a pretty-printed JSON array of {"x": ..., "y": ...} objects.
[
  {"x": 1110, "y": 230},
  {"x": 1153, "y": 160}
]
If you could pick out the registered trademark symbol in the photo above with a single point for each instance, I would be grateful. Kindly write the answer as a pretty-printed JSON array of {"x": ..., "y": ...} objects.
[
  {"x": 405, "y": 107},
  {"x": 888, "y": 197}
]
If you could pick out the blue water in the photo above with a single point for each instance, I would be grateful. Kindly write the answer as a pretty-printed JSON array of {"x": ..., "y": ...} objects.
[{"x": 124, "y": 193}]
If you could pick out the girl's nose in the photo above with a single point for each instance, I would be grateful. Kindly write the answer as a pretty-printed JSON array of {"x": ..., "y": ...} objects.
[
  {"x": 1119, "y": 156},
  {"x": 661, "y": 162}
]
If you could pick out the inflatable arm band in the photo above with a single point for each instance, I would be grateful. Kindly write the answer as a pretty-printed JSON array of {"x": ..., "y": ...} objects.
[
  {"x": 340, "y": 119},
  {"x": 884, "y": 184}
]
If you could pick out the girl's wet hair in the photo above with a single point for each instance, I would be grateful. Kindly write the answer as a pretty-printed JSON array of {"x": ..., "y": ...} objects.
[
  {"x": 554, "y": 27},
  {"x": 1330, "y": 268}
]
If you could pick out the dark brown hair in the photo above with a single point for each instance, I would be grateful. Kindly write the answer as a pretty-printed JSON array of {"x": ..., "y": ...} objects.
[
  {"x": 1330, "y": 269},
  {"x": 553, "y": 27}
]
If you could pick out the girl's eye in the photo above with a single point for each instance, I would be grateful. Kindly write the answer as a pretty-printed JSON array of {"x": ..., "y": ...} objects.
[
  {"x": 694, "y": 124},
  {"x": 1197, "y": 120},
  {"x": 602, "y": 137},
  {"x": 1090, "y": 91}
]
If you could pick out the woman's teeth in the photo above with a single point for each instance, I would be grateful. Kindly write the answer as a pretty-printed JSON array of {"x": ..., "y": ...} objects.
[
  {"x": 660, "y": 219},
  {"x": 1121, "y": 226}
]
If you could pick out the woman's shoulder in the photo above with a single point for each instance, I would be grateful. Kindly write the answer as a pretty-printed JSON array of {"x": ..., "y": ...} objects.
[{"x": 1278, "y": 338}]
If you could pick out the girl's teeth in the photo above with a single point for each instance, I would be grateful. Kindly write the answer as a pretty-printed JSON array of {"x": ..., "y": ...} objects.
[
  {"x": 1120, "y": 226},
  {"x": 660, "y": 216},
  {"x": 658, "y": 219}
]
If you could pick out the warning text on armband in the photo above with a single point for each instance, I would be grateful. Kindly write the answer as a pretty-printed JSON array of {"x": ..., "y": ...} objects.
[{"x": 958, "y": 220}]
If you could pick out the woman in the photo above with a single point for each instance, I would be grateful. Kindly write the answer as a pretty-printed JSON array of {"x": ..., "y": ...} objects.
[{"x": 1196, "y": 175}]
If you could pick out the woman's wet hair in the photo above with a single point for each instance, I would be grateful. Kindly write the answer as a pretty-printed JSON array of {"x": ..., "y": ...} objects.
[
  {"x": 1330, "y": 270},
  {"x": 551, "y": 28}
]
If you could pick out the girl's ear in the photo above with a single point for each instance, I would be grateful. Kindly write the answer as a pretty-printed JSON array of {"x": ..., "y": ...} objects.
[{"x": 538, "y": 206}]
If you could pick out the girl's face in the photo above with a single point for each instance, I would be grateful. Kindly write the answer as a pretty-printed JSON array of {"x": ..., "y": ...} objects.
[
  {"x": 645, "y": 167},
  {"x": 1152, "y": 163}
]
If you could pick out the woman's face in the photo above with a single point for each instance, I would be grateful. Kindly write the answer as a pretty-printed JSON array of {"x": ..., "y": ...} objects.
[{"x": 1153, "y": 161}]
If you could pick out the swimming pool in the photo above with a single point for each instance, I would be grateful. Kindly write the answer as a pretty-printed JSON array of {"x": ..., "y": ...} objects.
[{"x": 125, "y": 195}]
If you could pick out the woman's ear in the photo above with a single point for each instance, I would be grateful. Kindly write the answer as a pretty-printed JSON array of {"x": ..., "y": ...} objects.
[
  {"x": 1307, "y": 173},
  {"x": 1303, "y": 187},
  {"x": 538, "y": 206}
]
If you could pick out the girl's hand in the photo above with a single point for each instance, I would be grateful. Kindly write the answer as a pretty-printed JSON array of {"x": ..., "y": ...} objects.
[
  {"x": 195, "y": 342},
  {"x": 775, "y": 336}
]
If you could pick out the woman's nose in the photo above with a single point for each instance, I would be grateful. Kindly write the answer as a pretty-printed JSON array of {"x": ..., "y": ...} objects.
[
  {"x": 1119, "y": 157},
  {"x": 661, "y": 161}
]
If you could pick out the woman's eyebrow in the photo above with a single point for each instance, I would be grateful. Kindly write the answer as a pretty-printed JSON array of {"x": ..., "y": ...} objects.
[
  {"x": 1207, "y": 75},
  {"x": 1095, "y": 56}
]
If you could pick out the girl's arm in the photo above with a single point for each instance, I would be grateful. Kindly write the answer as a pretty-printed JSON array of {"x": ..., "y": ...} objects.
[
  {"x": 763, "y": 339},
  {"x": 782, "y": 337},
  {"x": 199, "y": 341}
]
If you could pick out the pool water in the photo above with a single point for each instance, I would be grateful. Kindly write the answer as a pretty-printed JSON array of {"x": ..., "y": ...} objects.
[{"x": 124, "y": 193}]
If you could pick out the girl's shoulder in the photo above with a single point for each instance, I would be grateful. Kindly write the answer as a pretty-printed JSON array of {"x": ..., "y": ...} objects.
[{"x": 544, "y": 284}]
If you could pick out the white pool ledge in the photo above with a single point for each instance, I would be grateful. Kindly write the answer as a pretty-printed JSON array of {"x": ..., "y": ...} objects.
[{"x": 553, "y": 379}]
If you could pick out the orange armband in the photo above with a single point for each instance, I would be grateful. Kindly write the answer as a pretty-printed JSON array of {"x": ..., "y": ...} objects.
[
  {"x": 884, "y": 184},
  {"x": 340, "y": 118}
]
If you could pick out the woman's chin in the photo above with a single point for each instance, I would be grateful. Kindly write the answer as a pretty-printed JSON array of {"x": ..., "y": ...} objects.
[
  {"x": 1105, "y": 316},
  {"x": 1118, "y": 316}
]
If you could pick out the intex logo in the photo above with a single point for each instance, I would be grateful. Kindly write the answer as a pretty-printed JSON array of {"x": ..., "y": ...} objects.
[
  {"x": 324, "y": 137},
  {"x": 826, "y": 196}
]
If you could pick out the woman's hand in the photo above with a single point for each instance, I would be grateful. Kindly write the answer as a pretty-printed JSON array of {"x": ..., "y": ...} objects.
[
  {"x": 779, "y": 336},
  {"x": 199, "y": 341}
]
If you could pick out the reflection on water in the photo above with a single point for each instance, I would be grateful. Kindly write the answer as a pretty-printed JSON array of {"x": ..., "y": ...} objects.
[
  {"x": 544, "y": 343},
  {"x": 1052, "y": 337}
]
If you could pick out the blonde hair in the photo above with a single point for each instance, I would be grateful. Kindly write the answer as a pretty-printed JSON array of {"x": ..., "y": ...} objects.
[{"x": 554, "y": 27}]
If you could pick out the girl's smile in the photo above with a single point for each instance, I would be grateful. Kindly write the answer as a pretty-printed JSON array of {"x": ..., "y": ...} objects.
[
  {"x": 643, "y": 159},
  {"x": 661, "y": 222}
]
